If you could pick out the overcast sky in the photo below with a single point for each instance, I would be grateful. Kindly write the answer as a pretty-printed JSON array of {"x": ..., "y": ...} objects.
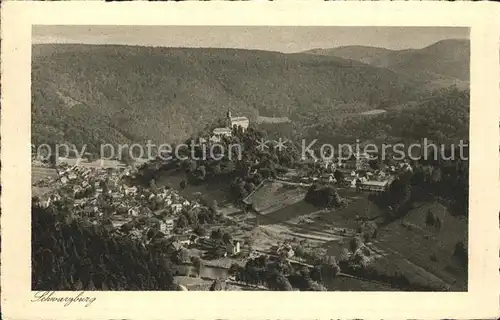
[{"x": 284, "y": 39}]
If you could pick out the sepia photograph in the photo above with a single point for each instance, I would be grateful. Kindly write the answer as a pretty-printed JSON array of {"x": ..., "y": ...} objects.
[
  {"x": 283, "y": 156},
  {"x": 250, "y": 158}
]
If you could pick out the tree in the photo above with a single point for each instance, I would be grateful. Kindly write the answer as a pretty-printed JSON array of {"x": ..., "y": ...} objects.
[
  {"x": 192, "y": 165},
  {"x": 331, "y": 266},
  {"x": 226, "y": 237},
  {"x": 374, "y": 164},
  {"x": 299, "y": 251},
  {"x": 249, "y": 187},
  {"x": 278, "y": 282},
  {"x": 216, "y": 169},
  {"x": 53, "y": 160},
  {"x": 126, "y": 157},
  {"x": 257, "y": 178},
  {"x": 323, "y": 196},
  {"x": 183, "y": 184},
  {"x": 369, "y": 229},
  {"x": 200, "y": 231},
  {"x": 339, "y": 176},
  {"x": 202, "y": 172},
  {"x": 182, "y": 256},
  {"x": 406, "y": 194},
  {"x": 355, "y": 243},
  {"x": 234, "y": 270},
  {"x": 219, "y": 251},
  {"x": 182, "y": 222},
  {"x": 461, "y": 253},
  {"x": 430, "y": 219},
  {"x": 418, "y": 177},
  {"x": 217, "y": 285},
  {"x": 436, "y": 175},
  {"x": 152, "y": 185},
  {"x": 104, "y": 186},
  {"x": 216, "y": 234},
  {"x": 215, "y": 207},
  {"x": 265, "y": 173},
  {"x": 197, "y": 264},
  {"x": 437, "y": 223}
]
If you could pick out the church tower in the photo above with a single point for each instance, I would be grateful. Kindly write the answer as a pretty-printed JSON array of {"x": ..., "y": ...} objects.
[{"x": 228, "y": 119}]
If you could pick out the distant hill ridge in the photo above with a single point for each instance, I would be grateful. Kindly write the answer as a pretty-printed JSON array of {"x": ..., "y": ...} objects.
[{"x": 448, "y": 58}]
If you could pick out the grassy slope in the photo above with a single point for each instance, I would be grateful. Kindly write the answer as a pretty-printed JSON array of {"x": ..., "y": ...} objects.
[
  {"x": 404, "y": 246},
  {"x": 420, "y": 242}
]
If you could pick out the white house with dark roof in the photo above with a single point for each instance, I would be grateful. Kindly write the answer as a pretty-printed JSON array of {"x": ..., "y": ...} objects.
[
  {"x": 373, "y": 185},
  {"x": 215, "y": 139},
  {"x": 233, "y": 247},
  {"x": 221, "y": 132}
]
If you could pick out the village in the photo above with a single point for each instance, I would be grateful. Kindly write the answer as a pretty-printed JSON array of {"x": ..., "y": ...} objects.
[
  {"x": 207, "y": 239},
  {"x": 329, "y": 167}
]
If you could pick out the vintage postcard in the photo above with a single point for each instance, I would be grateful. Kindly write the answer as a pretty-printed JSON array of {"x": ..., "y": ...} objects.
[{"x": 324, "y": 160}]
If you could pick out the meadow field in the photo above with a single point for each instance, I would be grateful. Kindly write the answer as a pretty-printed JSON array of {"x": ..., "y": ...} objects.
[{"x": 425, "y": 256}]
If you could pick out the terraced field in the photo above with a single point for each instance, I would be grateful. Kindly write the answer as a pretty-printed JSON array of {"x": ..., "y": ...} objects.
[{"x": 273, "y": 196}]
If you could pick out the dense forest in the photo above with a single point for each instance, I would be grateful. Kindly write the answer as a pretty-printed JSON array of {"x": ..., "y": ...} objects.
[
  {"x": 85, "y": 94},
  {"x": 443, "y": 117},
  {"x": 446, "y": 181},
  {"x": 71, "y": 254},
  {"x": 242, "y": 174}
]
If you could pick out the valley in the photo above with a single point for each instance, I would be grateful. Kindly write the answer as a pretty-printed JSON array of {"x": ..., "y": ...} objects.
[{"x": 271, "y": 219}]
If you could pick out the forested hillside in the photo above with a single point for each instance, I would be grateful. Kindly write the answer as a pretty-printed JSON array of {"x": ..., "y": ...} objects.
[
  {"x": 123, "y": 94},
  {"x": 446, "y": 61},
  {"x": 70, "y": 254},
  {"x": 443, "y": 117}
]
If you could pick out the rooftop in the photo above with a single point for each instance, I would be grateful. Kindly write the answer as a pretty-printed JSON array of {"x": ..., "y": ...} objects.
[
  {"x": 239, "y": 119},
  {"x": 376, "y": 183},
  {"x": 221, "y": 130}
]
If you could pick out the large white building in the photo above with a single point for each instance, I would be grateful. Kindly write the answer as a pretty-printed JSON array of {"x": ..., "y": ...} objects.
[{"x": 233, "y": 122}]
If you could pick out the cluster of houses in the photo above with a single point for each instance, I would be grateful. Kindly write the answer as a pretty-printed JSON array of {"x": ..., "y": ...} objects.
[
  {"x": 227, "y": 249},
  {"x": 97, "y": 192},
  {"x": 356, "y": 174},
  {"x": 283, "y": 250},
  {"x": 100, "y": 194}
]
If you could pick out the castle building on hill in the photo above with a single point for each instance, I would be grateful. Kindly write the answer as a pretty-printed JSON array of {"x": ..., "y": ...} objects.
[{"x": 231, "y": 122}]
